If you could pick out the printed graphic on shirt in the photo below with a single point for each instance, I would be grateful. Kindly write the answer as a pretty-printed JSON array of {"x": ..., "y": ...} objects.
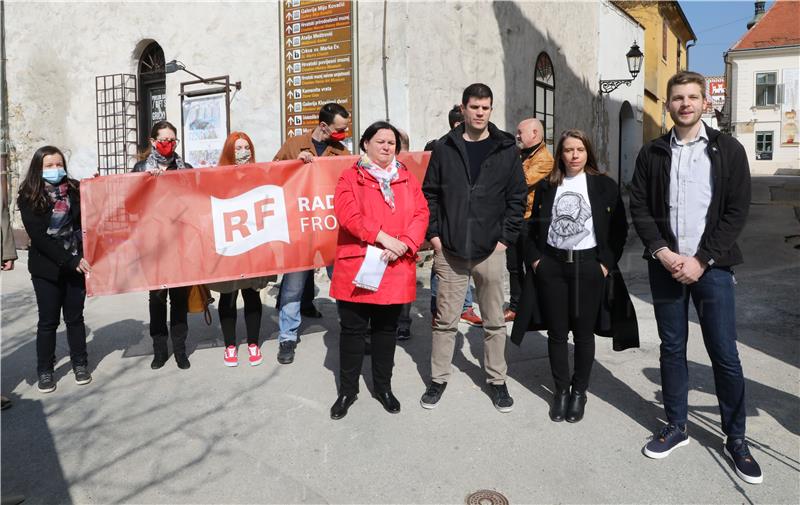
[{"x": 570, "y": 213}]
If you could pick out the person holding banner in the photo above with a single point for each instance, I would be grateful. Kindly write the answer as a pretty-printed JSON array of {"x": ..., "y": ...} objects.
[
  {"x": 382, "y": 217},
  {"x": 239, "y": 150},
  {"x": 296, "y": 295},
  {"x": 49, "y": 202},
  {"x": 161, "y": 156}
]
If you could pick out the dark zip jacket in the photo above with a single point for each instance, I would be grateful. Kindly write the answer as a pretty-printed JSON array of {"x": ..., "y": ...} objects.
[
  {"x": 47, "y": 257},
  {"x": 727, "y": 212},
  {"x": 471, "y": 217}
]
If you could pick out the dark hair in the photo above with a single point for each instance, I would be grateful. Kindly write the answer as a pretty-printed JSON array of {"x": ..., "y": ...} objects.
[
  {"x": 686, "y": 77},
  {"x": 556, "y": 176},
  {"x": 329, "y": 111},
  {"x": 477, "y": 90},
  {"x": 144, "y": 152},
  {"x": 31, "y": 191},
  {"x": 160, "y": 126},
  {"x": 374, "y": 128},
  {"x": 455, "y": 116}
]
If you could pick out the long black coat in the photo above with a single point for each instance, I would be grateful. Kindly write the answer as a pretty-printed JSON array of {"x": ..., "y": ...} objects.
[{"x": 617, "y": 317}]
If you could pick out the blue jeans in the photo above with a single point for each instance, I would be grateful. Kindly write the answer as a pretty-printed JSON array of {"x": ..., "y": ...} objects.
[
  {"x": 435, "y": 288},
  {"x": 713, "y": 298},
  {"x": 291, "y": 295}
]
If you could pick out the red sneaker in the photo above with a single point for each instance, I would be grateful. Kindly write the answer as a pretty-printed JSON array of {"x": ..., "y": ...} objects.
[
  {"x": 470, "y": 317},
  {"x": 255, "y": 354},
  {"x": 231, "y": 356}
]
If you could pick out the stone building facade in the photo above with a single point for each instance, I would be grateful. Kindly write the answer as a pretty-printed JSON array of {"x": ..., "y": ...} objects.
[{"x": 432, "y": 51}]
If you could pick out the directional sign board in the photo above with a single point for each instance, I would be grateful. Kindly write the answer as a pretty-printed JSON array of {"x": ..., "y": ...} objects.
[{"x": 317, "y": 62}]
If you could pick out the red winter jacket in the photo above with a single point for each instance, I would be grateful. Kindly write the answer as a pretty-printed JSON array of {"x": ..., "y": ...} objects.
[{"x": 362, "y": 212}]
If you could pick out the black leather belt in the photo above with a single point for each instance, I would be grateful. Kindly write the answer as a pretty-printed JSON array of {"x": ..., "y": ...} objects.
[{"x": 570, "y": 255}]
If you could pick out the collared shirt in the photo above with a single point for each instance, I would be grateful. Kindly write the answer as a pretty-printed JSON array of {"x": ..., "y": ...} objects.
[{"x": 690, "y": 189}]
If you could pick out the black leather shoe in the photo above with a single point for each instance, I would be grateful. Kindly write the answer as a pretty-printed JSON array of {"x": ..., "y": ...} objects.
[
  {"x": 311, "y": 312},
  {"x": 340, "y": 406},
  {"x": 390, "y": 403},
  {"x": 158, "y": 361},
  {"x": 558, "y": 409},
  {"x": 577, "y": 403},
  {"x": 182, "y": 360}
]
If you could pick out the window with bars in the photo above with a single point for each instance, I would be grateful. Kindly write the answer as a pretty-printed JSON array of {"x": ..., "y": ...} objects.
[
  {"x": 544, "y": 97},
  {"x": 116, "y": 123}
]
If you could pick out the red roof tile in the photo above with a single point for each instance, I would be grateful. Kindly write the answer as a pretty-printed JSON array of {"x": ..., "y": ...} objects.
[{"x": 780, "y": 26}]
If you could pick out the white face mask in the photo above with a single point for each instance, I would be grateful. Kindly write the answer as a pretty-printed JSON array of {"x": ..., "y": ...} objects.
[{"x": 242, "y": 156}]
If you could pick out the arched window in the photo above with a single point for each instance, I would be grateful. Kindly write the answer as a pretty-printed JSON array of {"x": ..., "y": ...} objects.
[
  {"x": 152, "y": 90},
  {"x": 544, "y": 96}
]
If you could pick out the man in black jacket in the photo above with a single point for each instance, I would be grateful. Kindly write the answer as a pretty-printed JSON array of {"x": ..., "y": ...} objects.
[
  {"x": 476, "y": 193},
  {"x": 689, "y": 200}
]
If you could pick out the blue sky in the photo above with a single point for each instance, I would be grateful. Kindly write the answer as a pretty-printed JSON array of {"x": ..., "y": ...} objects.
[{"x": 718, "y": 25}]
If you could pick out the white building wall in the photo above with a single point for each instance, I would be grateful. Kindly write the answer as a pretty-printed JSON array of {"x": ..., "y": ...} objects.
[
  {"x": 616, "y": 33},
  {"x": 747, "y": 119},
  {"x": 434, "y": 50}
]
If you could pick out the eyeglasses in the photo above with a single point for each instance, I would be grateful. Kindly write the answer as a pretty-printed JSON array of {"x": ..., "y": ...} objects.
[{"x": 171, "y": 141}]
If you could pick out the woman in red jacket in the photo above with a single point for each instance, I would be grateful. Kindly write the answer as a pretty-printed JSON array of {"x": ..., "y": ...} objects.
[{"x": 378, "y": 203}]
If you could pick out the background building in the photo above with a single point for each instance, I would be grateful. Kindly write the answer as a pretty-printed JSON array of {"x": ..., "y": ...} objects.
[
  {"x": 763, "y": 72},
  {"x": 539, "y": 61},
  {"x": 667, "y": 33}
]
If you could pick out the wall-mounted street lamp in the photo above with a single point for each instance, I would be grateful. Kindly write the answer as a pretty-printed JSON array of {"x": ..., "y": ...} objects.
[
  {"x": 223, "y": 83},
  {"x": 634, "y": 57}
]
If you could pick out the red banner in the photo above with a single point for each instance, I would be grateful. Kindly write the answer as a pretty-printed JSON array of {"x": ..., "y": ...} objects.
[{"x": 186, "y": 227}]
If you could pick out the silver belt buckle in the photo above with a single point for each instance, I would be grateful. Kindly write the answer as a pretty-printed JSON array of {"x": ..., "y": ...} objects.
[{"x": 570, "y": 259}]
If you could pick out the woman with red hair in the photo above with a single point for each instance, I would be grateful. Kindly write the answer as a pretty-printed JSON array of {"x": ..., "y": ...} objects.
[{"x": 239, "y": 150}]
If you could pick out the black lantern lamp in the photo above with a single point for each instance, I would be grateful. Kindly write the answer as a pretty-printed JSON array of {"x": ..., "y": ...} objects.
[{"x": 634, "y": 57}]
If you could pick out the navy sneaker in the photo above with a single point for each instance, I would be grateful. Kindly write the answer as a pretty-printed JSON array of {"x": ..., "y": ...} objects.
[
  {"x": 746, "y": 466},
  {"x": 432, "y": 395},
  {"x": 47, "y": 383},
  {"x": 501, "y": 399},
  {"x": 665, "y": 441}
]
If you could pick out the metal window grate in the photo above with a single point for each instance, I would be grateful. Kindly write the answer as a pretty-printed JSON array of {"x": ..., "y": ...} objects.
[{"x": 116, "y": 123}]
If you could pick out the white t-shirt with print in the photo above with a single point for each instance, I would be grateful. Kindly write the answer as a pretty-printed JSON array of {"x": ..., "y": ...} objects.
[{"x": 572, "y": 226}]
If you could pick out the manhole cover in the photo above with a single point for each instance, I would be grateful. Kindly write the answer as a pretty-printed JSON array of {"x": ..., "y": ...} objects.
[{"x": 486, "y": 497}]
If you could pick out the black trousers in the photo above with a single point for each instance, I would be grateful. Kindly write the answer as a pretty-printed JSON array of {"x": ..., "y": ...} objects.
[
  {"x": 570, "y": 294},
  {"x": 356, "y": 319},
  {"x": 178, "y": 327},
  {"x": 66, "y": 295},
  {"x": 515, "y": 264},
  {"x": 252, "y": 315}
]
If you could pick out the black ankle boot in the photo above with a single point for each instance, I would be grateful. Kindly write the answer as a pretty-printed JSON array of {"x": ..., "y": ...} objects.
[
  {"x": 341, "y": 405},
  {"x": 577, "y": 403},
  {"x": 182, "y": 360},
  {"x": 558, "y": 408},
  {"x": 160, "y": 351}
]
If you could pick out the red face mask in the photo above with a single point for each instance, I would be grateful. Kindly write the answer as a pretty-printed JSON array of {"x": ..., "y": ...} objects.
[
  {"x": 338, "y": 136},
  {"x": 165, "y": 148}
]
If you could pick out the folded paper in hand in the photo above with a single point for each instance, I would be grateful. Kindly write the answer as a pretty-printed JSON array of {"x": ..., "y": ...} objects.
[{"x": 371, "y": 272}]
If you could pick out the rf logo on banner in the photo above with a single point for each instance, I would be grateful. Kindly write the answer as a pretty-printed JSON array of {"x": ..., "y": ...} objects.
[{"x": 249, "y": 220}]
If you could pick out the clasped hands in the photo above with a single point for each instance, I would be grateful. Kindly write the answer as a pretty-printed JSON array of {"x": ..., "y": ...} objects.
[
  {"x": 684, "y": 269},
  {"x": 392, "y": 248}
]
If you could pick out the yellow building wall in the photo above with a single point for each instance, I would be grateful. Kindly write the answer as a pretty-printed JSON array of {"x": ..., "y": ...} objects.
[{"x": 656, "y": 69}]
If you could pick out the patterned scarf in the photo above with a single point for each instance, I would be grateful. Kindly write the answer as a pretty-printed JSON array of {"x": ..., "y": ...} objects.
[
  {"x": 385, "y": 177},
  {"x": 61, "y": 227},
  {"x": 155, "y": 159}
]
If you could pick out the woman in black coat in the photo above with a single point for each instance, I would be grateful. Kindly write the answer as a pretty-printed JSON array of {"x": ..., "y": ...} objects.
[
  {"x": 576, "y": 235},
  {"x": 49, "y": 202},
  {"x": 162, "y": 156}
]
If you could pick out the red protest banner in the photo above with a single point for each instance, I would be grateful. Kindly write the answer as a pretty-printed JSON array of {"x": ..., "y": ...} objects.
[{"x": 186, "y": 227}]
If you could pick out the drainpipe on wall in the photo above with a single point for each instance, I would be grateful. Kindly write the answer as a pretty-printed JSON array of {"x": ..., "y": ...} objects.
[
  {"x": 4, "y": 165},
  {"x": 384, "y": 58},
  {"x": 688, "y": 46}
]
